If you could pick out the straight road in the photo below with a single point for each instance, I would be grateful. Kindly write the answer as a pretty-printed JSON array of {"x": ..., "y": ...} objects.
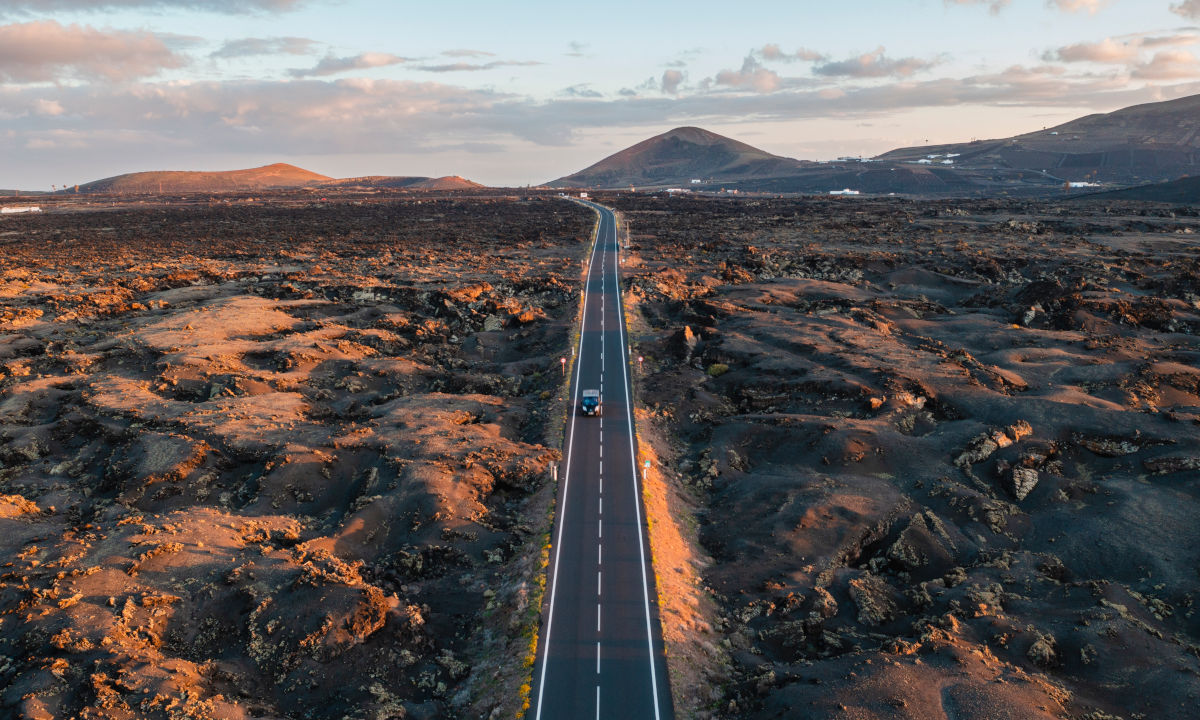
[{"x": 600, "y": 654}]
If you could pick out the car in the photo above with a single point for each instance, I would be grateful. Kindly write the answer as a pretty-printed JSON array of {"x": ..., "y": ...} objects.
[{"x": 590, "y": 404}]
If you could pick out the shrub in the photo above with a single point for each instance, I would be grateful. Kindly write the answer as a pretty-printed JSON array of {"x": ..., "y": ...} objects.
[{"x": 717, "y": 369}]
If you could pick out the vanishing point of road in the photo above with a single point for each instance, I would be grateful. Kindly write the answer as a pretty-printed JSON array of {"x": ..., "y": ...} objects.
[{"x": 601, "y": 652}]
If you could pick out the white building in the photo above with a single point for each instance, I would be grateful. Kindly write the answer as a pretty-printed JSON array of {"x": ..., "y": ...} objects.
[
  {"x": 13, "y": 209},
  {"x": 847, "y": 191}
]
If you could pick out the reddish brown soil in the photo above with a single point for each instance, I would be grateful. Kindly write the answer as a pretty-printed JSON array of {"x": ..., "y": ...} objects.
[
  {"x": 259, "y": 461},
  {"x": 945, "y": 455}
]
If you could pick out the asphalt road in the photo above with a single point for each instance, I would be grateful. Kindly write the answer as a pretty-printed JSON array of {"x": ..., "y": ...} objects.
[{"x": 600, "y": 653}]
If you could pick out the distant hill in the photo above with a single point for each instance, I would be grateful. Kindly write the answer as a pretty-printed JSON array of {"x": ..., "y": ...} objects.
[
  {"x": 279, "y": 175},
  {"x": 449, "y": 182},
  {"x": 1138, "y": 144},
  {"x": 375, "y": 181},
  {"x": 677, "y": 157},
  {"x": 1184, "y": 191}
]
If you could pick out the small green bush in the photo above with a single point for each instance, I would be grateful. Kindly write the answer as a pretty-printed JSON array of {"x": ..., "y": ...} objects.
[{"x": 717, "y": 369}]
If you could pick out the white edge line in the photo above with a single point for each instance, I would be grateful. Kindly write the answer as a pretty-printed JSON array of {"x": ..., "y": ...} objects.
[
  {"x": 561, "y": 514},
  {"x": 637, "y": 497}
]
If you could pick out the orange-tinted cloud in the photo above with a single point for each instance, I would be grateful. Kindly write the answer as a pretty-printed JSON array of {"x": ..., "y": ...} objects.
[{"x": 46, "y": 51}]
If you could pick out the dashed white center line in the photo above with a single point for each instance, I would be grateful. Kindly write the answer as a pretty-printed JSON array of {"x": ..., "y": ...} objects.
[
  {"x": 601, "y": 507},
  {"x": 599, "y": 528},
  {"x": 597, "y": 630},
  {"x": 597, "y": 702},
  {"x": 598, "y": 585},
  {"x": 601, "y": 467},
  {"x": 599, "y": 554}
]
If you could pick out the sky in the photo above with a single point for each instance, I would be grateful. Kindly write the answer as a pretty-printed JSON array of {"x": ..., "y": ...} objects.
[{"x": 523, "y": 92}]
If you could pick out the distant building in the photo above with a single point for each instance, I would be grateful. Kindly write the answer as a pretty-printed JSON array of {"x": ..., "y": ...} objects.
[
  {"x": 1082, "y": 184},
  {"x": 583, "y": 195},
  {"x": 924, "y": 161},
  {"x": 14, "y": 209},
  {"x": 847, "y": 191},
  {"x": 696, "y": 181}
]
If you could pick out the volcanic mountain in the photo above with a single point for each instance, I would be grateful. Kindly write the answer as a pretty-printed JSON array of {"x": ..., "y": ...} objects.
[
  {"x": 677, "y": 157},
  {"x": 1142, "y": 143},
  {"x": 279, "y": 175}
]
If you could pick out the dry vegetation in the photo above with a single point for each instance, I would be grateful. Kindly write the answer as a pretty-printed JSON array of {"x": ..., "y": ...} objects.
[
  {"x": 269, "y": 461},
  {"x": 944, "y": 456}
]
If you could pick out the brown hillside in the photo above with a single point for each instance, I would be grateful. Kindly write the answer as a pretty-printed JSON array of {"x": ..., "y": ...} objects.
[{"x": 278, "y": 175}]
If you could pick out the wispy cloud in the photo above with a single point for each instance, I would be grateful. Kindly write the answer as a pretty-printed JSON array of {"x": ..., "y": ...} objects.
[
  {"x": 233, "y": 7},
  {"x": 874, "y": 64},
  {"x": 44, "y": 51},
  {"x": 582, "y": 90},
  {"x": 332, "y": 65},
  {"x": 250, "y": 47},
  {"x": 1090, "y": 6},
  {"x": 462, "y": 52},
  {"x": 994, "y": 6},
  {"x": 474, "y": 67},
  {"x": 774, "y": 53},
  {"x": 1107, "y": 50}
]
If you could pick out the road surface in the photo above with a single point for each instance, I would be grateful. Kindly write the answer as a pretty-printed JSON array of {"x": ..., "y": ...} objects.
[{"x": 600, "y": 654}]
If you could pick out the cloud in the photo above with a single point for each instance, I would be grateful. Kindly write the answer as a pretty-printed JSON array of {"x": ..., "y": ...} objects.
[
  {"x": 671, "y": 79},
  {"x": 1105, "y": 51},
  {"x": 469, "y": 67},
  {"x": 331, "y": 65},
  {"x": 467, "y": 53},
  {"x": 774, "y": 53},
  {"x": 577, "y": 49},
  {"x": 45, "y": 51},
  {"x": 752, "y": 76},
  {"x": 583, "y": 90},
  {"x": 1188, "y": 8},
  {"x": 1169, "y": 65},
  {"x": 1178, "y": 39},
  {"x": 1091, "y": 6},
  {"x": 873, "y": 65},
  {"x": 113, "y": 126},
  {"x": 232, "y": 7},
  {"x": 994, "y": 6},
  {"x": 250, "y": 47},
  {"x": 42, "y": 106}
]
